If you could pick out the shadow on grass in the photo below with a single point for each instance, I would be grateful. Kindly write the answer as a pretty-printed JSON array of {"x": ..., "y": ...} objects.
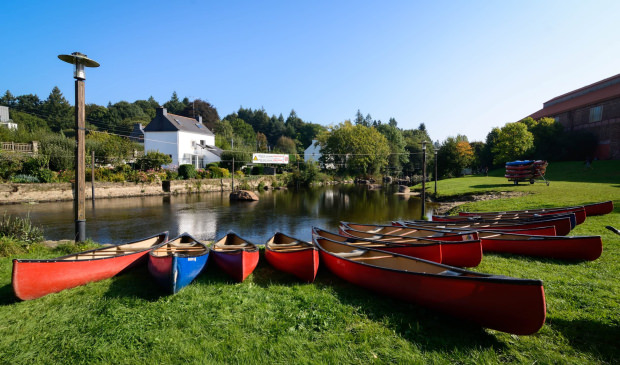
[
  {"x": 597, "y": 338},
  {"x": 430, "y": 330},
  {"x": 135, "y": 283},
  {"x": 488, "y": 186},
  {"x": 7, "y": 296}
]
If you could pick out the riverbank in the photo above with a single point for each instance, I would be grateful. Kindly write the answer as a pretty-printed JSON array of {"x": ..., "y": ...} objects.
[{"x": 12, "y": 193}]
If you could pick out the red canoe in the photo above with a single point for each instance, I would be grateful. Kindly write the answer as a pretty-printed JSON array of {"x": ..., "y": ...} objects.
[
  {"x": 563, "y": 224},
  {"x": 432, "y": 233},
  {"x": 565, "y": 248},
  {"x": 465, "y": 253},
  {"x": 599, "y": 208},
  {"x": 580, "y": 213},
  {"x": 539, "y": 231},
  {"x": 501, "y": 303},
  {"x": 35, "y": 278},
  {"x": 235, "y": 255},
  {"x": 293, "y": 256},
  {"x": 414, "y": 247}
]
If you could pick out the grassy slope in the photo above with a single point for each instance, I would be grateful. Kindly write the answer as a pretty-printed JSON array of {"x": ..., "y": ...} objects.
[{"x": 273, "y": 318}]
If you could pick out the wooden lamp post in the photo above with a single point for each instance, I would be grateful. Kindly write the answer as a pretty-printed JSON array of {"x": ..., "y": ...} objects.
[{"x": 79, "y": 198}]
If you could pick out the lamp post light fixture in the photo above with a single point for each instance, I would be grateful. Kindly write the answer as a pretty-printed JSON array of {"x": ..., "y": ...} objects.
[{"x": 79, "y": 198}]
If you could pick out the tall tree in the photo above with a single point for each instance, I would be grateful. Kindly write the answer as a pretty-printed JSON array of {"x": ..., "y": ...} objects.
[
  {"x": 174, "y": 105},
  {"x": 8, "y": 99},
  {"x": 286, "y": 145},
  {"x": 58, "y": 111},
  {"x": 513, "y": 142},
  {"x": 204, "y": 109},
  {"x": 398, "y": 153}
]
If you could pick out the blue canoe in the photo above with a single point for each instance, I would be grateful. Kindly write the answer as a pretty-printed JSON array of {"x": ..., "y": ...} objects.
[{"x": 175, "y": 264}]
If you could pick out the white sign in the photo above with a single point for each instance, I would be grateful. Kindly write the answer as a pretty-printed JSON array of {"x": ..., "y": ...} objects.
[{"x": 269, "y": 158}]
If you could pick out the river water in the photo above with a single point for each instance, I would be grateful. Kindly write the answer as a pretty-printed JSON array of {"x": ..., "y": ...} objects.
[{"x": 208, "y": 216}]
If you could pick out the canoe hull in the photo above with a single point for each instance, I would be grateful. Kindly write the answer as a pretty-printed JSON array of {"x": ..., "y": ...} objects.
[
  {"x": 239, "y": 264},
  {"x": 565, "y": 248},
  {"x": 174, "y": 273},
  {"x": 304, "y": 263},
  {"x": 33, "y": 279},
  {"x": 599, "y": 208},
  {"x": 513, "y": 308}
]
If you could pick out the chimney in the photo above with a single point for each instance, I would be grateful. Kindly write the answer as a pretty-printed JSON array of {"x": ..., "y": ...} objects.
[
  {"x": 161, "y": 111},
  {"x": 199, "y": 119}
]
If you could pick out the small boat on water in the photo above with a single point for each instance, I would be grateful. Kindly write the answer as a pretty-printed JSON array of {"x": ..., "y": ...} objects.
[
  {"x": 432, "y": 233},
  {"x": 293, "y": 256},
  {"x": 33, "y": 279},
  {"x": 563, "y": 224},
  {"x": 415, "y": 247},
  {"x": 466, "y": 252},
  {"x": 501, "y": 303},
  {"x": 178, "y": 262},
  {"x": 236, "y": 256},
  {"x": 540, "y": 231},
  {"x": 564, "y": 248}
]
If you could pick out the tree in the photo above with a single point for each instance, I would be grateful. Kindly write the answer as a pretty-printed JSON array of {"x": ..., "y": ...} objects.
[
  {"x": 243, "y": 133},
  {"x": 149, "y": 107},
  {"x": 357, "y": 149},
  {"x": 174, "y": 105},
  {"x": 153, "y": 160},
  {"x": 8, "y": 99},
  {"x": 204, "y": 109},
  {"x": 392, "y": 122},
  {"x": 286, "y": 145},
  {"x": 261, "y": 142},
  {"x": 223, "y": 134},
  {"x": 28, "y": 103},
  {"x": 513, "y": 142},
  {"x": 398, "y": 154},
  {"x": 58, "y": 111},
  {"x": 548, "y": 135}
]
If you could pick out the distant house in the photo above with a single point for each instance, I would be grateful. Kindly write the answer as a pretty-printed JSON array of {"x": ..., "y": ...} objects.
[
  {"x": 186, "y": 140},
  {"x": 4, "y": 118},
  {"x": 594, "y": 108},
  {"x": 313, "y": 153},
  {"x": 137, "y": 134}
]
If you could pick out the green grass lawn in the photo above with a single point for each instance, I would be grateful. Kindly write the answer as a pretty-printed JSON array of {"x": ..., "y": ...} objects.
[{"x": 272, "y": 318}]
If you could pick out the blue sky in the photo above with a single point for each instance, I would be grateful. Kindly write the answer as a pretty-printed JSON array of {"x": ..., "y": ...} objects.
[{"x": 460, "y": 67}]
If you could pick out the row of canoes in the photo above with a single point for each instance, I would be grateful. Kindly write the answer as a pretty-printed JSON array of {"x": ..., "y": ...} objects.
[{"x": 415, "y": 261}]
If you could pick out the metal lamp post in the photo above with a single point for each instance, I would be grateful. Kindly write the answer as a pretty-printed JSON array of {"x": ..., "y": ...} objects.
[
  {"x": 423, "y": 215},
  {"x": 436, "y": 171},
  {"x": 79, "y": 198}
]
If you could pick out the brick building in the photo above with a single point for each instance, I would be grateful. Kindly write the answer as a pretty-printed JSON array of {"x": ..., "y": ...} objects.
[{"x": 594, "y": 108}]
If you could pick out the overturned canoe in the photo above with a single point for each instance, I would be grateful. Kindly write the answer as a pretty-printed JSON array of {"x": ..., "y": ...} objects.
[
  {"x": 465, "y": 253},
  {"x": 178, "y": 262},
  {"x": 599, "y": 208},
  {"x": 414, "y": 247},
  {"x": 235, "y": 255},
  {"x": 502, "y": 303},
  {"x": 293, "y": 256},
  {"x": 32, "y": 279},
  {"x": 579, "y": 212},
  {"x": 565, "y": 248}
]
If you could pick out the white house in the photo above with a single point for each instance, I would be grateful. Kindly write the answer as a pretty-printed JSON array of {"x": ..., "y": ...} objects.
[
  {"x": 312, "y": 153},
  {"x": 4, "y": 118},
  {"x": 186, "y": 140}
]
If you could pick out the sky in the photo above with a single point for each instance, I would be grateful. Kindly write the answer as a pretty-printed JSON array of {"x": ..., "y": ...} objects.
[{"x": 459, "y": 67}]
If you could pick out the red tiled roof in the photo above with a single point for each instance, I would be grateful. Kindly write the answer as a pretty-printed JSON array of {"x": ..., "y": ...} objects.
[{"x": 588, "y": 95}]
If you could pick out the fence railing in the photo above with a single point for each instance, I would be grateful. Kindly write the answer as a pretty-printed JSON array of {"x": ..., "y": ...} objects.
[{"x": 32, "y": 147}]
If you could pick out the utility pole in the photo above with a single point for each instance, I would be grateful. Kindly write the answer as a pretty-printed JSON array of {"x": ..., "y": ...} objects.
[
  {"x": 92, "y": 174},
  {"x": 232, "y": 144},
  {"x": 423, "y": 180},
  {"x": 79, "y": 198},
  {"x": 435, "y": 172}
]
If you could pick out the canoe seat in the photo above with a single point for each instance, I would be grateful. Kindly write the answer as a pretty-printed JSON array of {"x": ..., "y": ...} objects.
[
  {"x": 286, "y": 244},
  {"x": 449, "y": 273},
  {"x": 232, "y": 247},
  {"x": 353, "y": 253}
]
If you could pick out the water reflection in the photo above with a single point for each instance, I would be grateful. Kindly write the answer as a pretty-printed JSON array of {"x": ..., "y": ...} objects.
[{"x": 211, "y": 215}]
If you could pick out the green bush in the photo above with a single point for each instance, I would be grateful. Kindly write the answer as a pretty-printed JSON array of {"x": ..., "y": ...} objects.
[
  {"x": 218, "y": 172},
  {"x": 171, "y": 175},
  {"x": 47, "y": 176},
  {"x": 34, "y": 164},
  {"x": 23, "y": 178},
  {"x": 10, "y": 164},
  {"x": 60, "y": 151},
  {"x": 153, "y": 160},
  {"x": 257, "y": 170},
  {"x": 187, "y": 171},
  {"x": 20, "y": 229}
]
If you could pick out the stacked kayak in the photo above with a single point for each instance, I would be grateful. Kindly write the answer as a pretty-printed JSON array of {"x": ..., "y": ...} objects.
[{"x": 528, "y": 170}]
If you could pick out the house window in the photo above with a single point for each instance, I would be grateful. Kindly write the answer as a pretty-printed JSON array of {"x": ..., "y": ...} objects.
[{"x": 596, "y": 114}]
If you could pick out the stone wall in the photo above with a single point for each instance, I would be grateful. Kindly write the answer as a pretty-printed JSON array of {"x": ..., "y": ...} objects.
[{"x": 22, "y": 193}]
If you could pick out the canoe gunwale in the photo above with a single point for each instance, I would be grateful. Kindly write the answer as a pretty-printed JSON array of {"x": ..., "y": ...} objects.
[
  {"x": 175, "y": 254},
  {"x": 63, "y": 258}
]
